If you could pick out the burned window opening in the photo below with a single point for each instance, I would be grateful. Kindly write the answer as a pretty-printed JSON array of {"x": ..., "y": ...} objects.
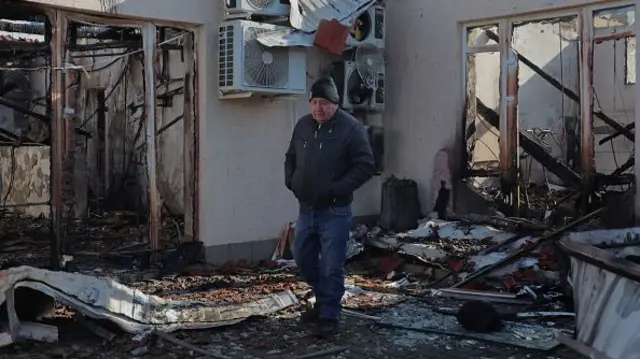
[{"x": 88, "y": 121}]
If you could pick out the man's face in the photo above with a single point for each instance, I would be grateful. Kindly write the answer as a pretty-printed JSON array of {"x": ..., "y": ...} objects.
[{"x": 322, "y": 109}]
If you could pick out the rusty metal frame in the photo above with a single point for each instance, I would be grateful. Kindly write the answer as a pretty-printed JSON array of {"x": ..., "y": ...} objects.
[{"x": 613, "y": 36}]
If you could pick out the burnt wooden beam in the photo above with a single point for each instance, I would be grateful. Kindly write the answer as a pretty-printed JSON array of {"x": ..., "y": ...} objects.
[
  {"x": 625, "y": 166},
  {"x": 533, "y": 148},
  {"x": 568, "y": 92},
  {"x": 629, "y": 127}
]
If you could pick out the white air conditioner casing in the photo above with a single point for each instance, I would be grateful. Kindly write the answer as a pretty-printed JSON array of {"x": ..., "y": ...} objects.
[
  {"x": 258, "y": 7},
  {"x": 344, "y": 75},
  {"x": 375, "y": 16},
  {"x": 245, "y": 66}
]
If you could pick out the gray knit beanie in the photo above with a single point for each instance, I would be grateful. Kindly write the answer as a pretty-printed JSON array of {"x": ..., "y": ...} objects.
[{"x": 325, "y": 88}]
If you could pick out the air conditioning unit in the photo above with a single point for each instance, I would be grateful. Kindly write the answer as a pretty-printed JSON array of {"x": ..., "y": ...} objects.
[
  {"x": 258, "y": 7},
  {"x": 368, "y": 28},
  {"x": 354, "y": 94},
  {"x": 247, "y": 67}
]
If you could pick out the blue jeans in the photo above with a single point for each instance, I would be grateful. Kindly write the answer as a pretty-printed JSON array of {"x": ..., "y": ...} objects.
[{"x": 320, "y": 251}]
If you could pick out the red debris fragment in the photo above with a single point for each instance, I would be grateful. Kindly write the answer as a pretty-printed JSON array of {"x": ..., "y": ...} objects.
[
  {"x": 510, "y": 283},
  {"x": 331, "y": 36},
  {"x": 456, "y": 265},
  {"x": 390, "y": 263}
]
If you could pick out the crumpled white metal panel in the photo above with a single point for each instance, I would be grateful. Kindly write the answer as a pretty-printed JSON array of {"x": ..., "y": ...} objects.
[
  {"x": 608, "y": 310},
  {"x": 305, "y": 18},
  {"x": 132, "y": 310},
  {"x": 307, "y": 14}
]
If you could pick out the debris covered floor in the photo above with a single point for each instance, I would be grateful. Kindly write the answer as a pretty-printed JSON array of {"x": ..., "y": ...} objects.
[
  {"x": 384, "y": 285},
  {"x": 277, "y": 336}
]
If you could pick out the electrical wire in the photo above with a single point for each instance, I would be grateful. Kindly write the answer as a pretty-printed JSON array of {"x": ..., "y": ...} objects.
[
  {"x": 111, "y": 91},
  {"x": 69, "y": 66}
]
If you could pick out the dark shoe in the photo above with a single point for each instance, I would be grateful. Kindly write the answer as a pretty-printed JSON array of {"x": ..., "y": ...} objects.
[
  {"x": 311, "y": 315},
  {"x": 327, "y": 327}
]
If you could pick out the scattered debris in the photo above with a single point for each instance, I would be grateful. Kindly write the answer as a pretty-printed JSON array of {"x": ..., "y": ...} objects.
[
  {"x": 182, "y": 343},
  {"x": 322, "y": 353},
  {"x": 425, "y": 320}
]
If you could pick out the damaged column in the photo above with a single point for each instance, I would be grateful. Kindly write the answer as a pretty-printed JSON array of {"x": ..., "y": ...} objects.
[
  {"x": 149, "y": 43},
  {"x": 509, "y": 163},
  {"x": 58, "y": 23},
  {"x": 587, "y": 150},
  {"x": 190, "y": 140}
]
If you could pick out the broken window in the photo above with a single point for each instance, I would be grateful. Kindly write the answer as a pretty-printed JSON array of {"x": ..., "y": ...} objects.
[
  {"x": 477, "y": 37},
  {"x": 618, "y": 24},
  {"x": 483, "y": 92},
  {"x": 618, "y": 17},
  {"x": 544, "y": 111},
  {"x": 73, "y": 88},
  {"x": 613, "y": 69}
]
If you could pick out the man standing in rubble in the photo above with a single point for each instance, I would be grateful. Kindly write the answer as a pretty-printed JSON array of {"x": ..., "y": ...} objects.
[{"x": 329, "y": 157}]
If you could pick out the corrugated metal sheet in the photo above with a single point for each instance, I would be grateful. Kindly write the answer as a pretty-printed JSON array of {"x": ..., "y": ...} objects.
[
  {"x": 606, "y": 292},
  {"x": 608, "y": 310}
]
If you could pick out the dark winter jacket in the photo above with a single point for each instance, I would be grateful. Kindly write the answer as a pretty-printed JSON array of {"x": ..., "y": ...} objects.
[{"x": 327, "y": 162}]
